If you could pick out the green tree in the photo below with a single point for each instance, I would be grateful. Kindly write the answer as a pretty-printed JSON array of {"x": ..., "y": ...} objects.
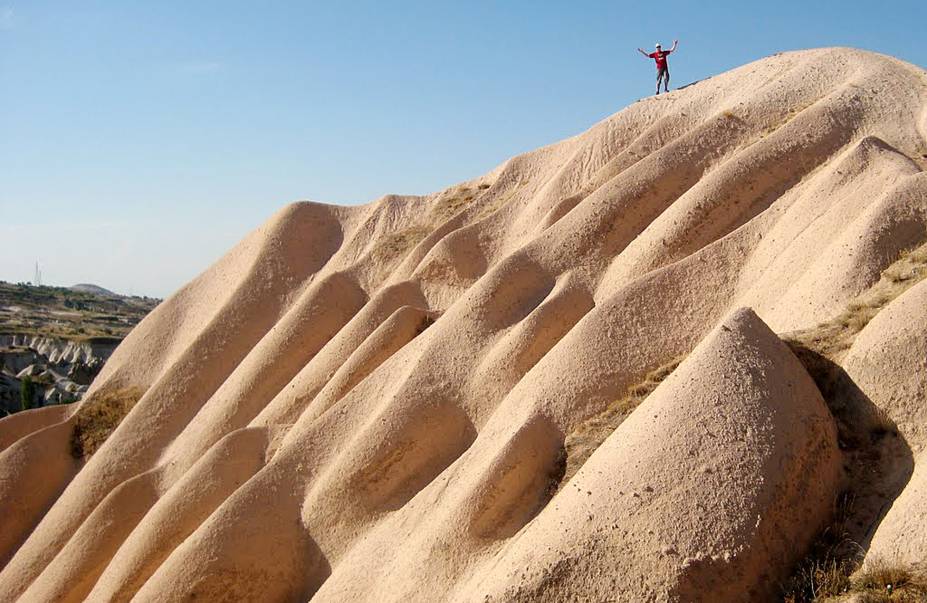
[{"x": 26, "y": 393}]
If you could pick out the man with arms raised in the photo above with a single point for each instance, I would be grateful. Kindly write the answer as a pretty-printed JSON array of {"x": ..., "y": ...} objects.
[{"x": 659, "y": 55}]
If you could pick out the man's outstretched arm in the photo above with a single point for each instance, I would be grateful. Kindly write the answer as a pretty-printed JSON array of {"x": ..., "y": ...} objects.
[
  {"x": 641, "y": 50},
  {"x": 675, "y": 44}
]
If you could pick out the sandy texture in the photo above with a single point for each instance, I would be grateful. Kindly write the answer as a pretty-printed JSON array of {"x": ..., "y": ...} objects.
[
  {"x": 902, "y": 535},
  {"x": 670, "y": 525},
  {"x": 370, "y": 403},
  {"x": 896, "y": 338}
]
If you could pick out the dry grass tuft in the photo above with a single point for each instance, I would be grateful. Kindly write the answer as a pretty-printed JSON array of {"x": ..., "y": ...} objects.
[
  {"x": 881, "y": 580},
  {"x": 449, "y": 207},
  {"x": 821, "y": 581},
  {"x": 453, "y": 202},
  {"x": 876, "y": 582},
  {"x": 98, "y": 417},
  {"x": 825, "y": 571},
  {"x": 833, "y": 338},
  {"x": 589, "y": 435},
  {"x": 399, "y": 243}
]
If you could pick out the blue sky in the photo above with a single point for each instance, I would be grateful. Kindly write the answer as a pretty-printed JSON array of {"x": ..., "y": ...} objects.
[{"x": 140, "y": 140}]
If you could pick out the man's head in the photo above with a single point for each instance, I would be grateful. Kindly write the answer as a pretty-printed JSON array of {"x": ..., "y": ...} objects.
[{"x": 658, "y": 47}]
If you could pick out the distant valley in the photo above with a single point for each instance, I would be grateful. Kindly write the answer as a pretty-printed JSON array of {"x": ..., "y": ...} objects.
[{"x": 54, "y": 340}]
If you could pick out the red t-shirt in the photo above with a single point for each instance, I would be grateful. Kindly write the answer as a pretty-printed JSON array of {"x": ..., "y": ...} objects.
[{"x": 660, "y": 58}]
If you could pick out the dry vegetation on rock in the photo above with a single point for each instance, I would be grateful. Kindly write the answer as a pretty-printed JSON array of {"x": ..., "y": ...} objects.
[
  {"x": 98, "y": 417},
  {"x": 580, "y": 443},
  {"x": 844, "y": 582},
  {"x": 882, "y": 581}
]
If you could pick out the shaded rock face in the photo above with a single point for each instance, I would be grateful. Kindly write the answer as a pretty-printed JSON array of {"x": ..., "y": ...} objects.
[
  {"x": 897, "y": 337},
  {"x": 83, "y": 374},
  {"x": 15, "y": 360},
  {"x": 10, "y": 388},
  {"x": 371, "y": 403}
]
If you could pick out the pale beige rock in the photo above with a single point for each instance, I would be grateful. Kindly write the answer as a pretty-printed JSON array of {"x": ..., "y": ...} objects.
[
  {"x": 23, "y": 423},
  {"x": 707, "y": 492},
  {"x": 371, "y": 402},
  {"x": 901, "y": 537},
  {"x": 888, "y": 362}
]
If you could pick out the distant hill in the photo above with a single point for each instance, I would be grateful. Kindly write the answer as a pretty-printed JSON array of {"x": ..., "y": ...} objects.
[
  {"x": 74, "y": 313},
  {"x": 93, "y": 289}
]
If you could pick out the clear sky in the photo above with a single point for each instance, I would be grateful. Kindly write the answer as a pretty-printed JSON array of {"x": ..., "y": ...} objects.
[{"x": 140, "y": 140}]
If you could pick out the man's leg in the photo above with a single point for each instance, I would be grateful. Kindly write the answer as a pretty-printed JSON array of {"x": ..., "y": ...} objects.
[
  {"x": 666, "y": 80},
  {"x": 659, "y": 79}
]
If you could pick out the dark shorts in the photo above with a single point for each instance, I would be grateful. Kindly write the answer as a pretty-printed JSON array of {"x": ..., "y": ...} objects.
[{"x": 662, "y": 73}]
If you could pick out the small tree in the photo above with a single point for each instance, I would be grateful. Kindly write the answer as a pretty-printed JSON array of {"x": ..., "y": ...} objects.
[{"x": 26, "y": 393}]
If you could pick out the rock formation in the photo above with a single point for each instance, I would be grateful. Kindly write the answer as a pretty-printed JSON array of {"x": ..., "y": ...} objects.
[{"x": 371, "y": 403}]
